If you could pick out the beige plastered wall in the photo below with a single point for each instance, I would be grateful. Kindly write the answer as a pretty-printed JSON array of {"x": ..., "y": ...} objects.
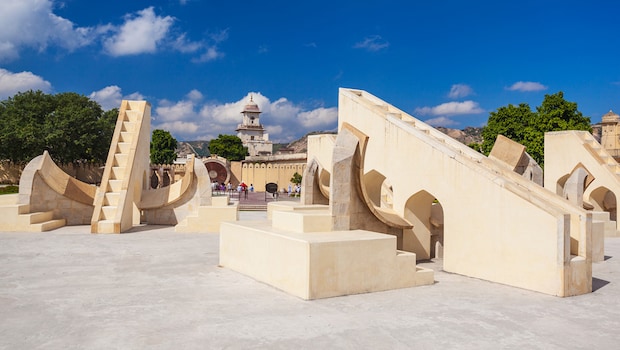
[{"x": 259, "y": 174}]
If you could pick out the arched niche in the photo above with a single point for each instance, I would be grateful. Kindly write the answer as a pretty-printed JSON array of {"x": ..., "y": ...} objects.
[
  {"x": 426, "y": 238},
  {"x": 604, "y": 200}
]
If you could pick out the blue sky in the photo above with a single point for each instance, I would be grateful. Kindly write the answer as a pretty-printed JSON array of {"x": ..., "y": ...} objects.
[{"x": 197, "y": 62}]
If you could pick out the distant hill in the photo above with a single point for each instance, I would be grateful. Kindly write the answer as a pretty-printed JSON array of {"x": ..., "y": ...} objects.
[
  {"x": 201, "y": 148},
  {"x": 301, "y": 145},
  {"x": 465, "y": 136}
]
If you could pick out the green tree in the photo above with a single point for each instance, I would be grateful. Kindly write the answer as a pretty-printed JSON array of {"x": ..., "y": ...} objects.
[
  {"x": 163, "y": 147},
  {"x": 229, "y": 147},
  {"x": 508, "y": 121},
  {"x": 296, "y": 179},
  {"x": 528, "y": 128},
  {"x": 72, "y": 129},
  {"x": 105, "y": 131},
  {"x": 70, "y": 126}
]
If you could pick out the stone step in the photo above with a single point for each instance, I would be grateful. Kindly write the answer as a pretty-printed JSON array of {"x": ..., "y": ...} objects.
[
  {"x": 105, "y": 226},
  {"x": 115, "y": 185},
  {"x": 129, "y": 126},
  {"x": 131, "y": 115},
  {"x": 111, "y": 198},
  {"x": 120, "y": 160},
  {"x": 108, "y": 211},
  {"x": 126, "y": 136},
  {"x": 48, "y": 225},
  {"x": 253, "y": 207},
  {"x": 15, "y": 209},
  {"x": 123, "y": 147},
  {"x": 117, "y": 173},
  {"x": 37, "y": 217}
]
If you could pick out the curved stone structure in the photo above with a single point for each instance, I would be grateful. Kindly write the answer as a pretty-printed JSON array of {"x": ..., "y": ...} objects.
[
  {"x": 58, "y": 180},
  {"x": 497, "y": 225},
  {"x": 48, "y": 198},
  {"x": 164, "y": 196}
]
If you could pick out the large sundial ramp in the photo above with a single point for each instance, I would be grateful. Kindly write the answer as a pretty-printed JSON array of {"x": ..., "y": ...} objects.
[{"x": 496, "y": 225}]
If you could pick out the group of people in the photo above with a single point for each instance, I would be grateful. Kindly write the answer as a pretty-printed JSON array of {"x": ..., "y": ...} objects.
[
  {"x": 217, "y": 188},
  {"x": 242, "y": 187},
  {"x": 294, "y": 190}
]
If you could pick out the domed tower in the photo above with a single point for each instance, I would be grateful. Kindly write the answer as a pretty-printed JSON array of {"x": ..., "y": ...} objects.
[
  {"x": 610, "y": 134},
  {"x": 251, "y": 131}
]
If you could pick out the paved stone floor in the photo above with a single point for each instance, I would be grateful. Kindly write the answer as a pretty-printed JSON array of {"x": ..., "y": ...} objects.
[{"x": 157, "y": 289}]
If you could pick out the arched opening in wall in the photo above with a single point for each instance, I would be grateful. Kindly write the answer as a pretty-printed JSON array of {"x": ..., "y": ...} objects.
[
  {"x": 316, "y": 185},
  {"x": 374, "y": 184},
  {"x": 604, "y": 200},
  {"x": 154, "y": 179},
  {"x": 559, "y": 185},
  {"x": 323, "y": 182},
  {"x": 426, "y": 239},
  {"x": 166, "y": 178}
]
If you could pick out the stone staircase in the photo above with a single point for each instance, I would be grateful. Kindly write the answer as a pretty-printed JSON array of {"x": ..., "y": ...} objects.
[
  {"x": 252, "y": 207},
  {"x": 17, "y": 217},
  {"x": 114, "y": 201},
  {"x": 599, "y": 152}
]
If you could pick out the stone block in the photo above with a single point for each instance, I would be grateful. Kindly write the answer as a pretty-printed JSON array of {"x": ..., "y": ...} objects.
[
  {"x": 303, "y": 220},
  {"x": 318, "y": 264}
]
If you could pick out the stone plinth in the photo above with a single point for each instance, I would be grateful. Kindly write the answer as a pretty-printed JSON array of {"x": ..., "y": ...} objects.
[
  {"x": 209, "y": 218},
  {"x": 319, "y": 264}
]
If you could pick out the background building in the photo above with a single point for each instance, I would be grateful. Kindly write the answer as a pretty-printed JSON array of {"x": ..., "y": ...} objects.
[
  {"x": 610, "y": 134},
  {"x": 252, "y": 133}
]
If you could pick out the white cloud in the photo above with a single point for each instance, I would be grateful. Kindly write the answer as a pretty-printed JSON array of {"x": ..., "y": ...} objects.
[
  {"x": 32, "y": 24},
  {"x": 111, "y": 96},
  {"x": 274, "y": 129},
  {"x": 194, "y": 95},
  {"x": 220, "y": 36},
  {"x": 192, "y": 119},
  {"x": 179, "y": 127},
  {"x": 182, "y": 110},
  {"x": 526, "y": 86},
  {"x": 372, "y": 43},
  {"x": 441, "y": 121},
  {"x": 211, "y": 54},
  {"x": 451, "y": 108},
  {"x": 136, "y": 96},
  {"x": 141, "y": 33},
  {"x": 12, "y": 83},
  {"x": 460, "y": 90},
  {"x": 319, "y": 117},
  {"x": 183, "y": 45}
]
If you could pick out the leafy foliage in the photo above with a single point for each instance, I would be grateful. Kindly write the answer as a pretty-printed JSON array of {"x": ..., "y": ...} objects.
[
  {"x": 163, "y": 147},
  {"x": 70, "y": 126},
  {"x": 528, "y": 128},
  {"x": 229, "y": 147},
  {"x": 296, "y": 179},
  {"x": 9, "y": 189}
]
